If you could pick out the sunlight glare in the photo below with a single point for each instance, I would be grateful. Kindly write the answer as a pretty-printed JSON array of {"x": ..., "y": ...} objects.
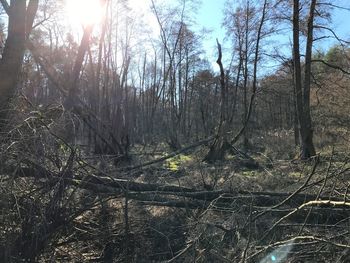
[{"x": 84, "y": 12}]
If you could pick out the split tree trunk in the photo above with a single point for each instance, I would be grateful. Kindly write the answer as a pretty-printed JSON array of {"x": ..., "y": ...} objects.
[
  {"x": 221, "y": 145},
  {"x": 303, "y": 91}
]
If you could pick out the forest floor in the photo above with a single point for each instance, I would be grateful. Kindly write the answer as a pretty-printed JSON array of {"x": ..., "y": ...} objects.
[
  {"x": 290, "y": 207},
  {"x": 255, "y": 206}
]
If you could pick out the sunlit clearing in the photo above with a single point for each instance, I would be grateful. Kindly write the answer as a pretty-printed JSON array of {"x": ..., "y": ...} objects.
[{"x": 84, "y": 12}]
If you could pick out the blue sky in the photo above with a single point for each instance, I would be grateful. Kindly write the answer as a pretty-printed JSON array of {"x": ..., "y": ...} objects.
[
  {"x": 341, "y": 21},
  {"x": 210, "y": 15}
]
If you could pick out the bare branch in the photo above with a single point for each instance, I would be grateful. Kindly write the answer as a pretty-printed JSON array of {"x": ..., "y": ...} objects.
[
  {"x": 6, "y": 6},
  {"x": 333, "y": 5},
  {"x": 331, "y": 66},
  {"x": 333, "y": 33}
]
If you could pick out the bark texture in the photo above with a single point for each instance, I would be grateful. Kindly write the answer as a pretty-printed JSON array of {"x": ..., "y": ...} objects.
[
  {"x": 20, "y": 21},
  {"x": 302, "y": 90}
]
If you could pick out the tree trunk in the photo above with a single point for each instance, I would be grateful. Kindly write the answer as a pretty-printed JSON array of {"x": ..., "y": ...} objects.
[
  {"x": 308, "y": 148},
  {"x": 303, "y": 92},
  {"x": 19, "y": 26},
  {"x": 220, "y": 145},
  {"x": 246, "y": 72}
]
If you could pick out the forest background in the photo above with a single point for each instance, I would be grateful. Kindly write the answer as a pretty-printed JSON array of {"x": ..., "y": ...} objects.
[{"x": 131, "y": 136}]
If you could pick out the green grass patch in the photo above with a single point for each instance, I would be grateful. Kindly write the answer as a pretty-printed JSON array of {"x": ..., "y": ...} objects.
[
  {"x": 174, "y": 164},
  {"x": 295, "y": 175},
  {"x": 249, "y": 173}
]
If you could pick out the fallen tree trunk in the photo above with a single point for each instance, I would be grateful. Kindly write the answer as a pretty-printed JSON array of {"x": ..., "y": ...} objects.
[
  {"x": 260, "y": 211},
  {"x": 110, "y": 185}
]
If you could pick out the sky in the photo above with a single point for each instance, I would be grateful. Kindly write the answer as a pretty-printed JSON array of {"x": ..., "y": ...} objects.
[
  {"x": 210, "y": 15},
  {"x": 341, "y": 21}
]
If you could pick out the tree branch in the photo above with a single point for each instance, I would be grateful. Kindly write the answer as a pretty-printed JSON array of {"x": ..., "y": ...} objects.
[
  {"x": 333, "y": 33},
  {"x": 6, "y": 6},
  {"x": 334, "y": 6},
  {"x": 331, "y": 66},
  {"x": 30, "y": 15}
]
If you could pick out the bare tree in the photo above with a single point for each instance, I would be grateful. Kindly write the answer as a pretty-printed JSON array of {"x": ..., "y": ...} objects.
[
  {"x": 220, "y": 145},
  {"x": 302, "y": 90}
]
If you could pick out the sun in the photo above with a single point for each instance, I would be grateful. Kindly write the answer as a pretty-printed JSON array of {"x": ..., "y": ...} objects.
[{"x": 84, "y": 12}]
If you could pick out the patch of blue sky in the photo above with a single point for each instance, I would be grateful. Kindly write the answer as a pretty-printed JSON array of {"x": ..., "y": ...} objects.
[{"x": 210, "y": 16}]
